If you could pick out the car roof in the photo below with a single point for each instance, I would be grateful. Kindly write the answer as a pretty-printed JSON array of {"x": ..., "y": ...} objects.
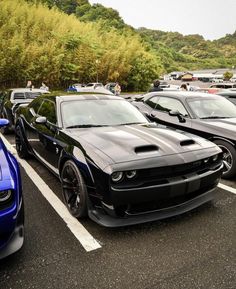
[
  {"x": 230, "y": 84},
  {"x": 227, "y": 93},
  {"x": 68, "y": 96},
  {"x": 87, "y": 97},
  {"x": 181, "y": 94},
  {"x": 28, "y": 90}
]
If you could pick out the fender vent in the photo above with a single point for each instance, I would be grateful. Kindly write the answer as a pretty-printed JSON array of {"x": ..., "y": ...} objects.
[
  {"x": 187, "y": 142},
  {"x": 146, "y": 149}
]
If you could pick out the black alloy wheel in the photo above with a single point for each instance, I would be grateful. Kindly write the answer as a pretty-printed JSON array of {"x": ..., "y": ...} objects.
[
  {"x": 21, "y": 147},
  {"x": 74, "y": 190},
  {"x": 229, "y": 158}
]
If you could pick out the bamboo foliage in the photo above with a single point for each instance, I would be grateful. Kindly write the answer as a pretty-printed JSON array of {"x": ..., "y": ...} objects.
[{"x": 44, "y": 44}]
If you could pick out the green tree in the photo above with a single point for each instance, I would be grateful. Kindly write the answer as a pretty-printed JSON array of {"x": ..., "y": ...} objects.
[{"x": 227, "y": 75}]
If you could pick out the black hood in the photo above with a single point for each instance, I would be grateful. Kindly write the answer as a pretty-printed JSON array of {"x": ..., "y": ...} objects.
[{"x": 136, "y": 142}]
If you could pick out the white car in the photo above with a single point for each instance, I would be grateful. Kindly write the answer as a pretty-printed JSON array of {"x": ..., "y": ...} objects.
[
  {"x": 94, "y": 84},
  {"x": 217, "y": 80}
]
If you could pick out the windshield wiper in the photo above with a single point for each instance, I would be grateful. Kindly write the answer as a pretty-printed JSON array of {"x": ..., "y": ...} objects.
[
  {"x": 214, "y": 117},
  {"x": 130, "y": 123},
  {"x": 84, "y": 125}
]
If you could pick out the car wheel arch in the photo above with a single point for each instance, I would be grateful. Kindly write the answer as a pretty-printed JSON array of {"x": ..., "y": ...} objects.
[
  {"x": 215, "y": 138},
  {"x": 229, "y": 157},
  {"x": 65, "y": 157}
]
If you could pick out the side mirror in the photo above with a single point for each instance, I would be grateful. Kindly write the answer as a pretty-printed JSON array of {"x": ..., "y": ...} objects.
[
  {"x": 4, "y": 122},
  {"x": 41, "y": 120},
  {"x": 178, "y": 114}
]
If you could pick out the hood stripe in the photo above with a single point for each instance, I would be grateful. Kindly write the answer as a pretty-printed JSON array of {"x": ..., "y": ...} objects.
[{"x": 154, "y": 137}]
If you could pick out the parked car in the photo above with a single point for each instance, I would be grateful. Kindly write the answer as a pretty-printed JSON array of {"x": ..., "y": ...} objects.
[
  {"x": 210, "y": 116},
  {"x": 11, "y": 202},
  {"x": 94, "y": 84},
  {"x": 113, "y": 164},
  {"x": 229, "y": 94},
  {"x": 223, "y": 85},
  {"x": 77, "y": 85},
  {"x": 12, "y": 99},
  {"x": 111, "y": 86},
  {"x": 217, "y": 80}
]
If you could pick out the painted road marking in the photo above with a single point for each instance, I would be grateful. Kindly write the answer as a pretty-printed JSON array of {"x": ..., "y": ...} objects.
[
  {"x": 79, "y": 231},
  {"x": 227, "y": 188}
]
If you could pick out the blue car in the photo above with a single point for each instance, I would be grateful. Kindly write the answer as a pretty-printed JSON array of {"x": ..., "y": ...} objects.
[{"x": 11, "y": 202}]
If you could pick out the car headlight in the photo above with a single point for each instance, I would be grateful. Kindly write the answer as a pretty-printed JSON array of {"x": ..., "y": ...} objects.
[
  {"x": 117, "y": 176},
  {"x": 5, "y": 195},
  {"x": 130, "y": 174},
  {"x": 206, "y": 160},
  {"x": 215, "y": 158}
]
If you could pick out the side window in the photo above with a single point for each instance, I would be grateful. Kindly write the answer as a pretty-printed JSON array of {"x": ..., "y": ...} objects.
[
  {"x": 19, "y": 95},
  {"x": 167, "y": 104},
  {"x": 152, "y": 102},
  {"x": 35, "y": 105},
  {"x": 48, "y": 110}
]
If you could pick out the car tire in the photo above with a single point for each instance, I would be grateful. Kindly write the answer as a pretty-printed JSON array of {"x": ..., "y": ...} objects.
[
  {"x": 21, "y": 147},
  {"x": 74, "y": 190},
  {"x": 229, "y": 158}
]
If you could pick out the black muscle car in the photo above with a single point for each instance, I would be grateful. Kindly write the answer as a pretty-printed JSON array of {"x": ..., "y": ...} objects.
[
  {"x": 210, "y": 116},
  {"x": 113, "y": 164},
  {"x": 12, "y": 99}
]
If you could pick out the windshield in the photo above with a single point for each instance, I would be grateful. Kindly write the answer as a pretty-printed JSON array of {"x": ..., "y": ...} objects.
[
  {"x": 101, "y": 112},
  {"x": 32, "y": 94},
  {"x": 212, "y": 108}
]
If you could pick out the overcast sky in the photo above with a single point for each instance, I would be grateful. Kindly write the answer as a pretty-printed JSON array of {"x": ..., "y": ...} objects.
[{"x": 210, "y": 18}]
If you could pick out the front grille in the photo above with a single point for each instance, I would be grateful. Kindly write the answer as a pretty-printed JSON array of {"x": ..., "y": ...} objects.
[
  {"x": 155, "y": 205},
  {"x": 164, "y": 175}
]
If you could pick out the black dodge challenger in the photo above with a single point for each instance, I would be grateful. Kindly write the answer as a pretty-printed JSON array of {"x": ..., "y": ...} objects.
[{"x": 113, "y": 164}]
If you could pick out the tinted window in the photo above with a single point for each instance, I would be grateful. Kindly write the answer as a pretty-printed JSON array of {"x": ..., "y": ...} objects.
[
  {"x": 212, "y": 108},
  {"x": 48, "y": 110},
  {"x": 32, "y": 94},
  {"x": 100, "y": 112},
  {"x": 35, "y": 105},
  {"x": 167, "y": 104},
  {"x": 152, "y": 102},
  {"x": 19, "y": 95}
]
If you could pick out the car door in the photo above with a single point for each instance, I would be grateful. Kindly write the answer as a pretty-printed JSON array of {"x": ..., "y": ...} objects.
[
  {"x": 42, "y": 136},
  {"x": 161, "y": 113}
]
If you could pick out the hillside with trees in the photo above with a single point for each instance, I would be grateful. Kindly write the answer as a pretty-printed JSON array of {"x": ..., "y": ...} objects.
[
  {"x": 38, "y": 43},
  {"x": 66, "y": 41}
]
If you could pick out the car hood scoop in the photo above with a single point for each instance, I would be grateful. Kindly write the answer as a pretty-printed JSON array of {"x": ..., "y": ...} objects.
[
  {"x": 187, "y": 142},
  {"x": 133, "y": 142},
  {"x": 146, "y": 149}
]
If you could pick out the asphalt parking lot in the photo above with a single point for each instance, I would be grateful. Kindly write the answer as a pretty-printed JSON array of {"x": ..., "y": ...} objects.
[{"x": 194, "y": 250}]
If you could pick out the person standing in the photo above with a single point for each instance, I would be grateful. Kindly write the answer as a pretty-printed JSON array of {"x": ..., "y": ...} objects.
[
  {"x": 29, "y": 84},
  {"x": 184, "y": 87},
  {"x": 44, "y": 86},
  {"x": 156, "y": 86},
  {"x": 117, "y": 89}
]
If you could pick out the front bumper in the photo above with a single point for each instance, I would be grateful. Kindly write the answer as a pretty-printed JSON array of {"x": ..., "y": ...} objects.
[
  {"x": 190, "y": 193},
  {"x": 15, "y": 239}
]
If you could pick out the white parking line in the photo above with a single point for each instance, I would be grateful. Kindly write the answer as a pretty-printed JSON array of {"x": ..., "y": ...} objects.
[
  {"x": 79, "y": 231},
  {"x": 227, "y": 188}
]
